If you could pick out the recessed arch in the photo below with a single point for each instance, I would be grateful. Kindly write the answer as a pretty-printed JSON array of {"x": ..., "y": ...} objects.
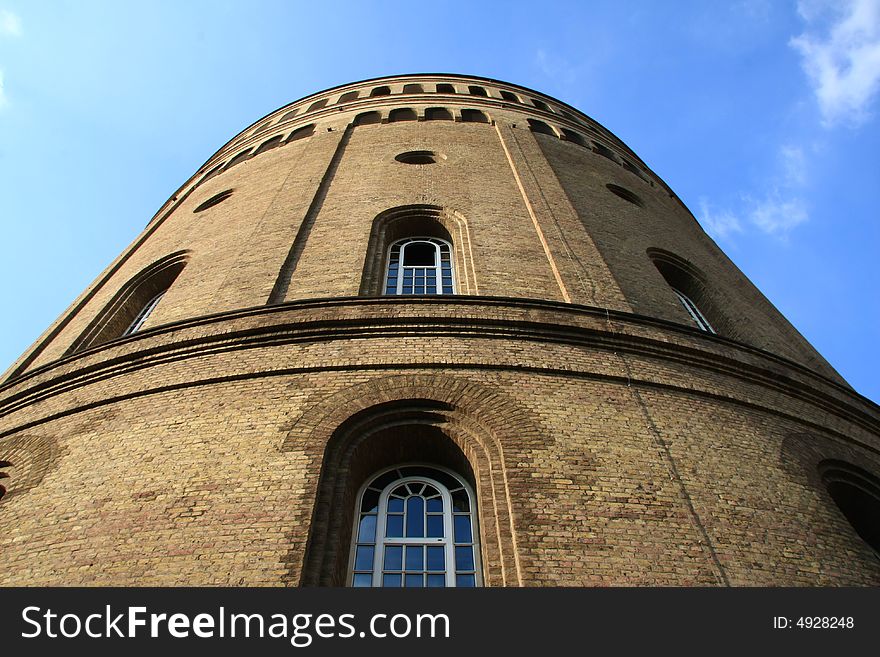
[
  {"x": 690, "y": 290},
  {"x": 473, "y": 116},
  {"x": 539, "y": 126},
  {"x": 135, "y": 300},
  {"x": 458, "y": 424},
  {"x": 301, "y": 133},
  {"x": 438, "y": 114},
  {"x": 402, "y": 114},
  {"x": 368, "y": 118},
  {"x": 418, "y": 221}
]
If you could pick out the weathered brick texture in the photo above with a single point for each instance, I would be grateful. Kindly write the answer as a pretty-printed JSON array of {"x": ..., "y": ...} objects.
[{"x": 609, "y": 441}]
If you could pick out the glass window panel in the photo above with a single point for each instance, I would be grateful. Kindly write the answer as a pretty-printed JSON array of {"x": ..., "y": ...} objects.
[
  {"x": 415, "y": 517},
  {"x": 460, "y": 500},
  {"x": 415, "y": 557},
  {"x": 394, "y": 526},
  {"x": 367, "y": 531},
  {"x": 391, "y": 580},
  {"x": 435, "y": 526},
  {"x": 363, "y": 559},
  {"x": 464, "y": 557},
  {"x": 381, "y": 482},
  {"x": 465, "y": 581},
  {"x": 393, "y": 557},
  {"x": 437, "y": 581},
  {"x": 395, "y": 505},
  {"x": 435, "y": 504},
  {"x": 462, "y": 532},
  {"x": 415, "y": 581},
  {"x": 370, "y": 503},
  {"x": 363, "y": 580},
  {"x": 436, "y": 557}
]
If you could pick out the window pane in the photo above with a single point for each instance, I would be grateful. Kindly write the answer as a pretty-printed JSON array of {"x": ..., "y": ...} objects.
[
  {"x": 464, "y": 557},
  {"x": 435, "y": 505},
  {"x": 363, "y": 579},
  {"x": 435, "y": 526},
  {"x": 393, "y": 557},
  {"x": 463, "y": 529},
  {"x": 415, "y": 517},
  {"x": 363, "y": 559},
  {"x": 436, "y": 557},
  {"x": 367, "y": 531},
  {"x": 419, "y": 254},
  {"x": 371, "y": 501},
  {"x": 395, "y": 505},
  {"x": 465, "y": 581},
  {"x": 394, "y": 526},
  {"x": 414, "y": 581},
  {"x": 460, "y": 500},
  {"x": 391, "y": 580},
  {"x": 437, "y": 580},
  {"x": 415, "y": 557}
]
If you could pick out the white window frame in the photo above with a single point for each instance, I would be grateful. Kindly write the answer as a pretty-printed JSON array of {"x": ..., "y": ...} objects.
[
  {"x": 144, "y": 314},
  {"x": 448, "y": 539},
  {"x": 698, "y": 317},
  {"x": 438, "y": 268}
]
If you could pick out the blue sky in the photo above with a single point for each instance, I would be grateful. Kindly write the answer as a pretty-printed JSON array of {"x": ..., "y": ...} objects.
[{"x": 762, "y": 115}]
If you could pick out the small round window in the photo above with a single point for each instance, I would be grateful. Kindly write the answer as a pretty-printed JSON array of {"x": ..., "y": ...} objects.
[
  {"x": 420, "y": 157},
  {"x": 214, "y": 200}
]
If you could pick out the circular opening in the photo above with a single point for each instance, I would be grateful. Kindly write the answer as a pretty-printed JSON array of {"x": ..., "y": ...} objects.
[
  {"x": 625, "y": 194},
  {"x": 214, "y": 200},
  {"x": 857, "y": 494},
  {"x": 420, "y": 157}
]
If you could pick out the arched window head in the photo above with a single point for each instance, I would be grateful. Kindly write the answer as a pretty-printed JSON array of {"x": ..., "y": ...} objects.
[
  {"x": 415, "y": 527},
  {"x": 420, "y": 265},
  {"x": 701, "y": 322}
]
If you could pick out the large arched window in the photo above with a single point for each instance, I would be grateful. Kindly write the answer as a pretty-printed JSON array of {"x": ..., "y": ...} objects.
[
  {"x": 415, "y": 527},
  {"x": 420, "y": 265}
]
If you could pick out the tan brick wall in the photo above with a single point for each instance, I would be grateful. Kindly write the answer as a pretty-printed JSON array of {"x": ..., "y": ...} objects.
[{"x": 610, "y": 442}]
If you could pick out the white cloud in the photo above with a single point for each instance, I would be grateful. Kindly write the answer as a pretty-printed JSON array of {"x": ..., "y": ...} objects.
[
  {"x": 720, "y": 224},
  {"x": 843, "y": 64},
  {"x": 794, "y": 166},
  {"x": 777, "y": 216},
  {"x": 10, "y": 24}
]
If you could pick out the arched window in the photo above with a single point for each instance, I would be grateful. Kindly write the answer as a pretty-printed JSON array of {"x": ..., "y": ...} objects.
[
  {"x": 413, "y": 89},
  {"x": 415, "y": 527},
  {"x": 402, "y": 114},
  {"x": 438, "y": 114},
  {"x": 540, "y": 126},
  {"x": 506, "y": 95},
  {"x": 143, "y": 314},
  {"x": 473, "y": 116},
  {"x": 367, "y": 118},
  {"x": 301, "y": 133},
  {"x": 477, "y": 91},
  {"x": 380, "y": 91},
  {"x": 132, "y": 306},
  {"x": 318, "y": 104},
  {"x": 702, "y": 323},
  {"x": 691, "y": 289},
  {"x": 420, "y": 265},
  {"x": 445, "y": 89},
  {"x": 348, "y": 96}
]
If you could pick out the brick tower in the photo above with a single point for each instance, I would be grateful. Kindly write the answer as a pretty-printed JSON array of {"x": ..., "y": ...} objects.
[{"x": 431, "y": 330}]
